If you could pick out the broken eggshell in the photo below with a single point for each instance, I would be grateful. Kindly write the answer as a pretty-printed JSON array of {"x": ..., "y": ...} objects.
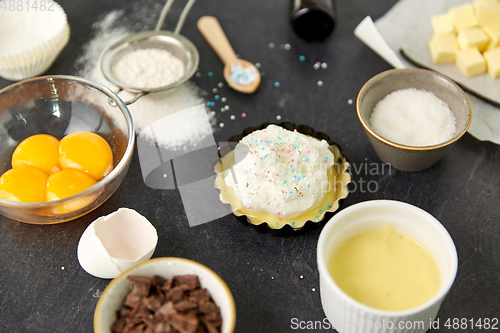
[{"x": 115, "y": 242}]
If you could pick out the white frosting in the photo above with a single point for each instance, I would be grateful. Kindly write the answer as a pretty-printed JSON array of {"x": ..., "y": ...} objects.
[{"x": 280, "y": 172}]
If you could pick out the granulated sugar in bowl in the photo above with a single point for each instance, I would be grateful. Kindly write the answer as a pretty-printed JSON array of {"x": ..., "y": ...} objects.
[{"x": 413, "y": 116}]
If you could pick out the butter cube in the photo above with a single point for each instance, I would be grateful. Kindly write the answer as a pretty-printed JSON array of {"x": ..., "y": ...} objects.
[
  {"x": 473, "y": 38},
  {"x": 487, "y": 14},
  {"x": 441, "y": 24},
  {"x": 463, "y": 17},
  {"x": 494, "y": 36},
  {"x": 493, "y": 62},
  {"x": 471, "y": 62},
  {"x": 443, "y": 48}
]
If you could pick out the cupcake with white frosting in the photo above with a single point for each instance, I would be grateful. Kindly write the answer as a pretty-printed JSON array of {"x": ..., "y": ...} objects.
[{"x": 283, "y": 177}]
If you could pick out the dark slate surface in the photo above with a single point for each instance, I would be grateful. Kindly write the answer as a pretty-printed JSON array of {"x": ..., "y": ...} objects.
[{"x": 262, "y": 269}]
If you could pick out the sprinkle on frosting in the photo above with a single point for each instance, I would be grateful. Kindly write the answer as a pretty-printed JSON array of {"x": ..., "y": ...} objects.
[{"x": 285, "y": 173}]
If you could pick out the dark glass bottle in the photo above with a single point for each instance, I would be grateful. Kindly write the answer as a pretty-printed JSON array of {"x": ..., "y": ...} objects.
[{"x": 313, "y": 19}]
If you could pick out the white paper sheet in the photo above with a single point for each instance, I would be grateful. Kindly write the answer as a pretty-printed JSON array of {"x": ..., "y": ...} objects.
[{"x": 407, "y": 26}]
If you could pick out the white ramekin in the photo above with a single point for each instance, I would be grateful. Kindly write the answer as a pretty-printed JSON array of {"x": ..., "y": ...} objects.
[{"x": 349, "y": 315}]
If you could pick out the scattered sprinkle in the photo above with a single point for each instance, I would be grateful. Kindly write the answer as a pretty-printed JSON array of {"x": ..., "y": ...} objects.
[
  {"x": 287, "y": 47},
  {"x": 216, "y": 97},
  {"x": 320, "y": 83},
  {"x": 257, "y": 65},
  {"x": 223, "y": 99},
  {"x": 324, "y": 65},
  {"x": 215, "y": 90},
  {"x": 313, "y": 289},
  {"x": 220, "y": 85},
  {"x": 63, "y": 268},
  {"x": 222, "y": 110},
  {"x": 243, "y": 115},
  {"x": 233, "y": 117},
  {"x": 221, "y": 125},
  {"x": 316, "y": 65},
  {"x": 349, "y": 101},
  {"x": 302, "y": 58},
  {"x": 302, "y": 276},
  {"x": 198, "y": 74},
  {"x": 164, "y": 175},
  {"x": 276, "y": 84},
  {"x": 278, "y": 117},
  {"x": 226, "y": 107},
  {"x": 262, "y": 74},
  {"x": 210, "y": 74}
]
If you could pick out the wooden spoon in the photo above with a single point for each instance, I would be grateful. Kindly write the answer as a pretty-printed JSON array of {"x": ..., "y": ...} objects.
[{"x": 212, "y": 31}]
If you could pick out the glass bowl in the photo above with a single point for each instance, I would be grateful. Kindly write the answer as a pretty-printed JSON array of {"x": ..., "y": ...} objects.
[{"x": 59, "y": 105}]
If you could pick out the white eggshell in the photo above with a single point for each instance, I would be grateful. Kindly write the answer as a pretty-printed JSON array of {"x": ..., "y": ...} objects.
[{"x": 115, "y": 242}]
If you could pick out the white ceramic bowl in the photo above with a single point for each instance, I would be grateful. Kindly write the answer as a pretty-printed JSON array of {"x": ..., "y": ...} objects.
[
  {"x": 113, "y": 296},
  {"x": 32, "y": 38},
  {"x": 349, "y": 315}
]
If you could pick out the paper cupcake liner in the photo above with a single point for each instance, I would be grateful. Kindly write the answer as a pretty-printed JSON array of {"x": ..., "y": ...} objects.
[
  {"x": 339, "y": 177},
  {"x": 49, "y": 31}
]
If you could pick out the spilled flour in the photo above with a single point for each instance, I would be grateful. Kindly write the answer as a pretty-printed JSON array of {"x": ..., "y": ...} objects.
[{"x": 152, "y": 107}]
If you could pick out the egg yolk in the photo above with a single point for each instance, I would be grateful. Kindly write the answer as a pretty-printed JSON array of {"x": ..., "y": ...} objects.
[
  {"x": 23, "y": 184},
  {"x": 65, "y": 183},
  {"x": 86, "y": 152},
  {"x": 38, "y": 151}
]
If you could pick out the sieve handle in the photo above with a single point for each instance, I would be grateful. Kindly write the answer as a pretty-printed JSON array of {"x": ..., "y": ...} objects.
[
  {"x": 135, "y": 98},
  {"x": 210, "y": 28},
  {"x": 181, "y": 20}
]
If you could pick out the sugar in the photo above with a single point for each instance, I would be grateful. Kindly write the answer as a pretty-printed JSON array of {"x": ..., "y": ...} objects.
[
  {"x": 414, "y": 118},
  {"x": 149, "y": 68}
]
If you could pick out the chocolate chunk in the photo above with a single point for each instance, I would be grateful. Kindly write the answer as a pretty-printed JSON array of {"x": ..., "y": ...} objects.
[
  {"x": 132, "y": 300},
  {"x": 163, "y": 328},
  {"x": 134, "y": 329},
  {"x": 124, "y": 311},
  {"x": 211, "y": 328},
  {"x": 157, "y": 280},
  {"x": 208, "y": 307},
  {"x": 152, "y": 303},
  {"x": 157, "y": 283},
  {"x": 187, "y": 282},
  {"x": 183, "y": 306},
  {"x": 140, "y": 285},
  {"x": 199, "y": 295},
  {"x": 164, "y": 309},
  {"x": 175, "y": 294},
  {"x": 119, "y": 325},
  {"x": 168, "y": 284},
  {"x": 184, "y": 323}
]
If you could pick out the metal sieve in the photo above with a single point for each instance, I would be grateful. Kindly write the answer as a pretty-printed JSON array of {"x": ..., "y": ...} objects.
[{"x": 173, "y": 42}]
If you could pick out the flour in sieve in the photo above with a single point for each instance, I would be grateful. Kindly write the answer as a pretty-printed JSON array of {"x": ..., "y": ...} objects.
[
  {"x": 149, "y": 68},
  {"x": 152, "y": 107}
]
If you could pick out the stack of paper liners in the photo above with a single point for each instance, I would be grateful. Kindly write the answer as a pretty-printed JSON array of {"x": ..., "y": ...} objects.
[
  {"x": 31, "y": 39},
  {"x": 470, "y": 36}
]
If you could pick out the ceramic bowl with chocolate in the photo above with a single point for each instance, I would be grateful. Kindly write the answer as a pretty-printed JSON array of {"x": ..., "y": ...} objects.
[{"x": 166, "y": 295}]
